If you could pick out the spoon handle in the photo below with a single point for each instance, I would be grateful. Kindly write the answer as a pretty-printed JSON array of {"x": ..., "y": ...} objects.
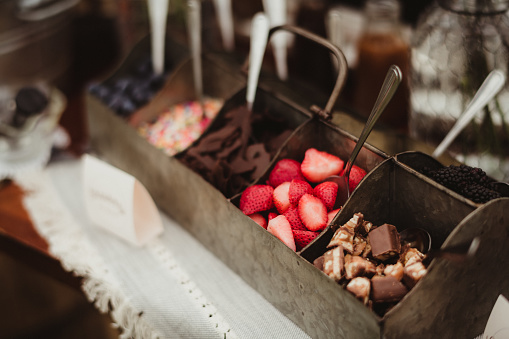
[
  {"x": 225, "y": 22},
  {"x": 389, "y": 86},
  {"x": 259, "y": 36},
  {"x": 489, "y": 88},
  {"x": 158, "y": 11},
  {"x": 276, "y": 12},
  {"x": 194, "y": 30}
]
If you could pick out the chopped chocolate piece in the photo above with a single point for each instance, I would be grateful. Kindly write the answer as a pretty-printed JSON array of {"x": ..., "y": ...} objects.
[
  {"x": 387, "y": 289},
  {"x": 344, "y": 237},
  {"x": 360, "y": 287},
  {"x": 334, "y": 263},
  {"x": 396, "y": 270},
  {"x": 318, "y": 262},
  {"x": 380, "y": 269},
  {"x": 413, "y": 273},
  {"x": 411, "y": 256},
  {"x": 384, "y": 241},
  {"x": 359, "y": 245},
  {"x": 366, "y": 227},
  {"x": 367, "y": 250},
  {"x": 355, "y": 222},
  {"x": 356, "y": 266}
]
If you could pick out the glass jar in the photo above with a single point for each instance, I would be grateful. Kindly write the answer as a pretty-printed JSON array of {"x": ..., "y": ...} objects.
[
  {"x": 381, "y": 44},
  {"x": 455, "y": 45}
]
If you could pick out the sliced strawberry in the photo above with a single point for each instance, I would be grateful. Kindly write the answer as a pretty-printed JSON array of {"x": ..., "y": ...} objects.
[
  {"x": 312, "y": 212},
  {"x": 297, "y": 189},
  {"x": 259, "y": 219},
  {"x": 318, "y": 165},
  {"x": 327, "y": 192},
  {"x": 281, "y": 197},
  {"x": 280, "y": 227},
  {"x": 272, "y": 215},
  {"x": 303, "y": 238},
  {"x": 331, "y": 215},
  {"x": 292, "y": 215},
  {"x": 256, "y": 198},
  {"x": 285, "y": 170},
  {"x": 356, "y": 175}
]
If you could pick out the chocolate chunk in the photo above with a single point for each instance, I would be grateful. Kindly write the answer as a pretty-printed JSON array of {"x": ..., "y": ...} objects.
[
  {"x": 355, "y": 222},
  {"x": 359, "y": 245},
  {"x": 384, "y": 241},
  {"x": 411, "y": 255},
  {"x": 413, "y": 273},
  {"x": 387, "y": 289},
  {"x": 360, "y": 287},
  {"x": 396, "y": 270},
  {"x": 343, "y": 237},
  {"x": 366, "y": 227},
  {"x": 356, "y": 266},
  {"x": 334, "y": 263},
  {"x": 318, "y": 262}
]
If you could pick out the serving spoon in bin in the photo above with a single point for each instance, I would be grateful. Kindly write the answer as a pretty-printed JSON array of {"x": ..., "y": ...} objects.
[
  {"x": 421, "y": 240},
  {"x": 389, "y": 86},
  {"x": 490, "y": 87}
]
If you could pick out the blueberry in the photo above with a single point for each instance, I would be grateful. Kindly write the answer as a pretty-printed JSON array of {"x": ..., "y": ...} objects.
[
  {"x": 156, "y": 81},
  {"x": 141, "y": 95},
  {"x": 100, "y": 91},
  {"x": 144, "y": 68},
  {"x": 123, "y": 84},
  {"x": 126, "y": 107}
]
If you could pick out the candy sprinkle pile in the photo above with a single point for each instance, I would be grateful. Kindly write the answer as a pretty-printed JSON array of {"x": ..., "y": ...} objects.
[{"x": 176, "y": 129}]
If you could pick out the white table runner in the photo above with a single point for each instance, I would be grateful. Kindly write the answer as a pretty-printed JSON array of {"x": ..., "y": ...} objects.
[{"x": 172, "y": 288}]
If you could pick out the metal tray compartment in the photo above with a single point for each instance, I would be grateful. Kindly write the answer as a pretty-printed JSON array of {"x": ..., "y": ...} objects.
[{"x": 451, "y": 294}]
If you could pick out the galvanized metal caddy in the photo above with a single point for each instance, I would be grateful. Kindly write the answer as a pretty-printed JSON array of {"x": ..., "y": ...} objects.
[{"x": 451, "y": 301}]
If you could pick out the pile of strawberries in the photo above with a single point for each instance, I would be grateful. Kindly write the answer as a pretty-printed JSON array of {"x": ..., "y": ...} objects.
[{"x": 296, "y": 203}]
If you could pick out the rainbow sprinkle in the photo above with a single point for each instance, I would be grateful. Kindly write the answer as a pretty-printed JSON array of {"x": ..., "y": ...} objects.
[{"x": 176, "y": 129}]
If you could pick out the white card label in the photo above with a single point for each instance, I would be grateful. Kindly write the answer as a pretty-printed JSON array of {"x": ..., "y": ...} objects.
[
  {"x": 498, "y": 322},
  {"x": 119, "y": 203}
]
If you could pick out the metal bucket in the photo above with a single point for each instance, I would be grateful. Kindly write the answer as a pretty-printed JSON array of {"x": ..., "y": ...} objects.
[
  {"x": 452, "y": 294},
  {"x": 440, "y": 305}
]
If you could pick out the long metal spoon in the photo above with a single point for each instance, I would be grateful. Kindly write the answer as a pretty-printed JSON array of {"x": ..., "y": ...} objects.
[
  {"x": 421, "y": 240},
  {"x": 490, "y": 87},
  {"x": 194, "y": 31},
  {"x": 389, "y": 86}
]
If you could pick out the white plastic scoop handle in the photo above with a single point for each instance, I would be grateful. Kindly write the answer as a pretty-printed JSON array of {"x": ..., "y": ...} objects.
[
  {"x": 276, "y": 11},
  {"x": 259, "y": 36},
  {"x": 158, "y": 12}
]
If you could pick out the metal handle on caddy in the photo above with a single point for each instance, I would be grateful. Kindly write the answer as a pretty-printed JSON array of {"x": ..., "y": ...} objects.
[{"x": 324, "y": 113}]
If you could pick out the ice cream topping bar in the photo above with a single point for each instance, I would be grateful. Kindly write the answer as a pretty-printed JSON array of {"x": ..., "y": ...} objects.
[{"x": 370, "y": 262}]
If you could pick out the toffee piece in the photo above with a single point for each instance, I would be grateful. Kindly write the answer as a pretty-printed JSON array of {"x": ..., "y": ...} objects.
[
  {"x": 385, "y": 242},
  {"x": 387, "y": 289}
]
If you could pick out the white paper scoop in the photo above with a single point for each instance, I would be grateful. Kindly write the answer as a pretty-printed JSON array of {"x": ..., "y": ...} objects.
[
  {"x": 225, "y": 21},
  {"x": 489, "y": 88},
  {"x": 259, "y": 36},
  {"x": 158, "y": 12},
  {"x": 277, "y": 13}
]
